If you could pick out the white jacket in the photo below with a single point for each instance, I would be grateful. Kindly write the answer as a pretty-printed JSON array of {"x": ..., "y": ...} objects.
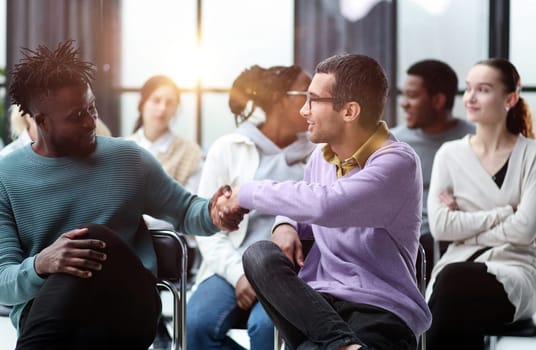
[
  {"x": 234, "y": 159},
  {"x": 486, "y": 217},
  {"x": 220, "y": 255}
]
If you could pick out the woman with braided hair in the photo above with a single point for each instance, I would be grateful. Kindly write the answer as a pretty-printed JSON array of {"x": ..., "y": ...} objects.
[{"x": 276, "y": 149}]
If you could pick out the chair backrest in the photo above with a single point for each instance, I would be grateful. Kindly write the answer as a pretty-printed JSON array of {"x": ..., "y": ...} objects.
[
  {"x": 421, "y": 269},
  {"x": 171, "y": 255},
  {"x": 421, "y": 283}
]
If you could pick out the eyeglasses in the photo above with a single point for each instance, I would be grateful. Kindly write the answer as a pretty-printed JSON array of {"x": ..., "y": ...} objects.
[{"x": 311, "y": 98}]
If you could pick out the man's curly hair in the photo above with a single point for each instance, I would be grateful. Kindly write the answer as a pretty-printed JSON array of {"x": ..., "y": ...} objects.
[{"x": 42, "y": 71}]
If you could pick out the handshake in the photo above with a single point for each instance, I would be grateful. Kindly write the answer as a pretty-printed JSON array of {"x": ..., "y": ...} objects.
[{"x": 225, "y": 211}]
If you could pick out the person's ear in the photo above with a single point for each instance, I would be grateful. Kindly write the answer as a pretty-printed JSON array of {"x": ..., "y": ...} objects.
[
  {"x": 511, "y": 100},
  {"x": 438, "y": 101},
  {"x": 351, "y": 111},
  {"x": 40, "y": 119}
]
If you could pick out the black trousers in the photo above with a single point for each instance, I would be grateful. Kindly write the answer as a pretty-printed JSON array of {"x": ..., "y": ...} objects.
[
  {"x": 466, "y": 303},
  {"x": 309, "y": 320},
  {"x": 117, "y": 308}
]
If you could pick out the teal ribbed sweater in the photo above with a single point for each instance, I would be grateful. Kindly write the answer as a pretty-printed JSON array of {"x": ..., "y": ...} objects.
[{"x": 41, "y": 198}]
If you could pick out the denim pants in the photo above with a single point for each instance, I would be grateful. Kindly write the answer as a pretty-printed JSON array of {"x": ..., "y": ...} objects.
[
  {"x": 116, "y": 308},
  {"x": 212, "y": 311},
  {"x": 307, "y": 319}
]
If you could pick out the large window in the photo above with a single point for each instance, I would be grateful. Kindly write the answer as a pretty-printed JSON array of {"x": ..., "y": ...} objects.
[
  {"x": 160, "y": 37},
  {"x": 453, "y": 31},
  {"x": 522, "y": 48}
]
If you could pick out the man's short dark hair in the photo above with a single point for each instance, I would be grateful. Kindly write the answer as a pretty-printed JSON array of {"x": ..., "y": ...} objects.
[
  {"x": 438, "y": 77},
  {"x": 357, "y": 78},
  {"x": 43, "y": 71}
]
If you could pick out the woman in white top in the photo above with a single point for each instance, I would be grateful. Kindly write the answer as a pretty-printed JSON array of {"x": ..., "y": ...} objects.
[
  {"x": 276, "y": 149},
  {"x": 482, "y": 198},
  {"x": 181, "y": 159}
]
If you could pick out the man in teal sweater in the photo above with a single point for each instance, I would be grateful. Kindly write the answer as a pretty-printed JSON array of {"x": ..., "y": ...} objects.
[{"x": 73, "y": 262}]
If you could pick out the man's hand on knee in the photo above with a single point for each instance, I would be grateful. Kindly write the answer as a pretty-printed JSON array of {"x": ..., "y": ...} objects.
[{"x": 71, "y": 255}]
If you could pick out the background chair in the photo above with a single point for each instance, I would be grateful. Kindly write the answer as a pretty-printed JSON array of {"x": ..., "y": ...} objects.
[
  {"x": 421, "y": 283},
  {"x": 172, "y": 260},
  {"x": 522, "y": 328}
]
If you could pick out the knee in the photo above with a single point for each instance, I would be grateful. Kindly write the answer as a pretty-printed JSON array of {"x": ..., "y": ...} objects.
[
  {"x": 97, "y": 231},
  {"x": 107, "y": 235},
  {"x": 200, "y": 321},
  {"x": 197, "y": 325},
  {"x": 203, "y": 327},
  {"x": 261, "y": 324},
  {"x": 447, "y": 293},
  {"x": 259, "y": 258},
  {"x": 446, "y": 280}
]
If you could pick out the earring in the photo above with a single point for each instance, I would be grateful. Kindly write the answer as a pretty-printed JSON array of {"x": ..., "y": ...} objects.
[{"x": 507, "y": 108}]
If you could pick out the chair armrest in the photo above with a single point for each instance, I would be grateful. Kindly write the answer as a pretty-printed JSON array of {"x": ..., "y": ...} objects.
[{"x": 170, "y": 249}]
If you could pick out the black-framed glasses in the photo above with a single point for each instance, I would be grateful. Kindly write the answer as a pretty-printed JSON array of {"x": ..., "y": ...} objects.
[{"x": 311, "y": 98}]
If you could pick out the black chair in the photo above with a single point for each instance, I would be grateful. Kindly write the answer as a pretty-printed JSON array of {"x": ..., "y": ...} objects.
[
  {"x": 421, "y": 283},
  {"x": 525, "y": 328},
  {"x": 522, "y": 328},
  {"x": 172, "y": 260}
]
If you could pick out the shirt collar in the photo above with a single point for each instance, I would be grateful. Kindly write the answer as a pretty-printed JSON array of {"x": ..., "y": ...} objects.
[
  {"x": 360, "y": 157},
  {"x": 160, "y": 145}
]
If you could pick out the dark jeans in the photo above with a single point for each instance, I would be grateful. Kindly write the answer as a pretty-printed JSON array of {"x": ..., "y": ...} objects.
[
  {"x": 117, "y": 308},
  {"x": 307, "y": 319},
  {"x": 466, "y": 303}
]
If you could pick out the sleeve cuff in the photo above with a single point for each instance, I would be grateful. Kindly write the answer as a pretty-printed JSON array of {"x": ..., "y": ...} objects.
[
  {"x": 28, "y": 271},
  {"x": 245, "y": 195},
  {"x": 281, "y": 220},
  {"x": 235, "y": 274}
]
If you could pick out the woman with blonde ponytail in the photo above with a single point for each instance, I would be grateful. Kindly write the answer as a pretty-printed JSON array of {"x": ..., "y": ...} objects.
[{"x": 482, "y": 199}]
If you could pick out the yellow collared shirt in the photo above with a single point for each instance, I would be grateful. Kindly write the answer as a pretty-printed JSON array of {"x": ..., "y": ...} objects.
[{"x": 359, "y": 158}]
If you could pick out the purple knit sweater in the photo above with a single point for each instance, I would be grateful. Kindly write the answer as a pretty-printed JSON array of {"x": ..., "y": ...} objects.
[{"x": 365, "y": 225}]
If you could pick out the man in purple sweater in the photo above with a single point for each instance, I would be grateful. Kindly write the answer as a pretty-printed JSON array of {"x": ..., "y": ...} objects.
[{"x": 361, "y": 202}]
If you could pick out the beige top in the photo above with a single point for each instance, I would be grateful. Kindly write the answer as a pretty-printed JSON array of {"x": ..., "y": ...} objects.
[{"x": 179, "y": 157}]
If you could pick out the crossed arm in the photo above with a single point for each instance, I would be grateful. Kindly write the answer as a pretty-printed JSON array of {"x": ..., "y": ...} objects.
[{"x": 514, "y": 223}]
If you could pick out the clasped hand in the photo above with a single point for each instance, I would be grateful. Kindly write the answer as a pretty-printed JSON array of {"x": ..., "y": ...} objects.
[
  {"x": 448, "y": 200},
  {"x": 225, "y": 212},
  {"x": 71, "y": 255}
]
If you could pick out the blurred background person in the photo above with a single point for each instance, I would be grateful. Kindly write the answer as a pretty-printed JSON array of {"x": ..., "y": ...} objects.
[
  {"x": 276, "y": 149},
  {"x": 428, "y": 94},
  {"x": 22, "y": 130},
  {"x": 181, "y": 159},
  {"x": 482, "y": 198}
]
